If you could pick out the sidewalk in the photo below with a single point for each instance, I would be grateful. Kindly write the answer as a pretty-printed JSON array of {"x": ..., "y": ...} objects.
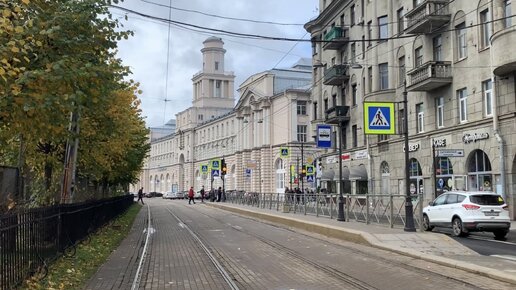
[{"x": 437, "y": 248}]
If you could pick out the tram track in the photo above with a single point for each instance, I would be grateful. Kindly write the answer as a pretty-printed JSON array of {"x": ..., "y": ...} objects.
[{"x": 335, "y": 272}]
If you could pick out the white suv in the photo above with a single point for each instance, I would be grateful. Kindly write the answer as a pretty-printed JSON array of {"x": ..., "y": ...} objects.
[{"x": 468, "y": 212}]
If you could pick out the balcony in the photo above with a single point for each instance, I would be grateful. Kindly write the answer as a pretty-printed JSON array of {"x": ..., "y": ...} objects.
[
  {"x": 336, "y": 38},
  {"x": 427, "y": 17},
  {"x": 336, "y": 75},
  {"x": 504, "y": 59},
  {"x": 336, "y": 115},
  {"x": 430, "y": 76}
]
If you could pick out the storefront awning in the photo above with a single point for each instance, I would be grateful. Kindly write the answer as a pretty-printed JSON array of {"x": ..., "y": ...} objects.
[
  {"x": 333, "y": 174},
  {"x": 358, "y": 172}
]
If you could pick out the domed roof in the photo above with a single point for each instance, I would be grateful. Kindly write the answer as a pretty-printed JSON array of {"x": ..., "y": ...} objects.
[{"x": 213, "y": 39}]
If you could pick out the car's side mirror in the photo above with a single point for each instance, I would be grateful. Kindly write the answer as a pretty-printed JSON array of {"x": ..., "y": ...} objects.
[{"x": 431, "y": 203}]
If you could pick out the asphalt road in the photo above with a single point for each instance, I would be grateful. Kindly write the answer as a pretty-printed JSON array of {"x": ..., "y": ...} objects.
[
  {"x": 204, "y": 248},
  {"x": 485, "y": 244}
]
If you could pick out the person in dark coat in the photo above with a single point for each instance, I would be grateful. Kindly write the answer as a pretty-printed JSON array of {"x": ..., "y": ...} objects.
[
  {"x": 219, "y": 194},
  {"x": 140, "y": 195},
  {"x": 202, "y": 193}
]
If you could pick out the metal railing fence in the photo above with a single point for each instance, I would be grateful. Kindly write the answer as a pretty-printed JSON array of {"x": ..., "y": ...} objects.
[
  {"x": 370, "y": 209},
  {"x": 30, "y": 238}
]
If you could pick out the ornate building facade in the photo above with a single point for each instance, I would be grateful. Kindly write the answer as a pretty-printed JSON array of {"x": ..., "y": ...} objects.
[{"x": 272, "y": 112}]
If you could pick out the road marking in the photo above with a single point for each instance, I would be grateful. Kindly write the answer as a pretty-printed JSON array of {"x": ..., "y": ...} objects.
[
  {"x": 490, "y": 240},
  {"x": 149, "y": 230}
]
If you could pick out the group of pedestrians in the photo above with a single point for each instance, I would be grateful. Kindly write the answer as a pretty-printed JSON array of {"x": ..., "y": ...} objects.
[
  {"x": 213, "y": 195},
  {"x": 297, "y": 195}
]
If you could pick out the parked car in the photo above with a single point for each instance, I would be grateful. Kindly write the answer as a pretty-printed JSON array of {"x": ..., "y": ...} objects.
[
  {"x": 170, "y": 195},
  {"x": 154, "y": 194},
  {"x": 180, "y": 195},
  {"x": 466, "y": 212}
]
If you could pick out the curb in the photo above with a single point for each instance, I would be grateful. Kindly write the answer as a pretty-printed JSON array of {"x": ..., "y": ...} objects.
[{"x": 364, "y": 238}]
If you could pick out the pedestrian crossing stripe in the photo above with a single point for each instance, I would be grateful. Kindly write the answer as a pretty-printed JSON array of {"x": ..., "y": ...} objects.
[{"x": 379, "y": 118}]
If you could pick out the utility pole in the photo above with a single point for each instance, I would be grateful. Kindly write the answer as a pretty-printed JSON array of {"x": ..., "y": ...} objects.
[{"x": 409, "y": 210}]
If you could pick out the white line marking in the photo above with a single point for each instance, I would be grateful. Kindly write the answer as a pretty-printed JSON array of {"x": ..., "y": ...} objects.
[
  {"x": 505, "y": 257},
  {"x": 149, "y": 230}
]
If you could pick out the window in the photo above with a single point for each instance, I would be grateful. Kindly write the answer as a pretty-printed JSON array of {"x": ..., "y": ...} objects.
[
  {"x": 216, "y": 65},
  {"x": 401, "y": 70},
  {"x": 354, "y": 133},
  {"x": 383, "y": 138},
  {"x": 325, "y": 105},
  {"x": 462, "y": 96},
  {"x": 200, "y": 117},
  {"x": 438, "y": 48},
  {"x": 353, "y": 53},
  {"x": 334, "y": 100},
  {"x": 487, "y": 90},
  {"x": 383, "y": 28},
  {"x": 354, "y": 94},
  {"x": 485, "y": 28},
  {"x": 301, "y": 133},
  {"x": 420, "y": 118},
  {"x": 370, "y": 78},
  {"x": 343, "y": 96},
  {"x": 352, "y": 12},
  {"x": 460, "y": 31},
  {"x": 507, "y": 13},
  {"x": 369, "y": 32},
  {"x": 315, "y": 111},
  {"x": 342, "y": 20},
  {"x": 301, "y": 107},
  {"x": 384, "y": 76},
  {"x": 439, "y": 112},
  {"x": 218, "y": 89},
  {"x": 401, "y": 24},
  {"x": 363, "y": 46},
  {"x": 418, "y": 56}
]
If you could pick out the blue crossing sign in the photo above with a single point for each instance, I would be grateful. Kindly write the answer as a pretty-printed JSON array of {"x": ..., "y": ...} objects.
[
  {"x": 284, "y": 152},
  {"x": 379, "y": 118},
  {"x": 215, "y": 164},
  {"x": 310, "y": 178},
  {"x": 204, "y": 168},
  {"x": 215, "y": 173}
]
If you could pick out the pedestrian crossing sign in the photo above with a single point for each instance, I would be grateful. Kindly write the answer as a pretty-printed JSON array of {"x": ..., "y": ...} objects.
[
  {"x": 379, "y": 118},
  {"x": 310, "y": 170},
  {"x": 284, "y": 152},
  {"x": 204, "y": 168},
  {"x": 215, "y": 164}
]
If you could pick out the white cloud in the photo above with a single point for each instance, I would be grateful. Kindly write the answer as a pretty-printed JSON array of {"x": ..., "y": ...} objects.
[{"x": 146, "y": 51}]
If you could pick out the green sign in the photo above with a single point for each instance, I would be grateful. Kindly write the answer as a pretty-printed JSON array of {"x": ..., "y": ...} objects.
[
  {"x": 204, "y": 168},
  {"x": 215, "y": 164},
  {"x": 284, "y": 152},
  {"x": 310, "y": 170}
]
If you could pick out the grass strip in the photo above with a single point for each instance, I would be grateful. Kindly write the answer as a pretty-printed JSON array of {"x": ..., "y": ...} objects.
[{"x": 74, "y": 272}]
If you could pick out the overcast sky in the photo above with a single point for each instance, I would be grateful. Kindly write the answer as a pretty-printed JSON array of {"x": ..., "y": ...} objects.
[{"x": 146, "y": 52}]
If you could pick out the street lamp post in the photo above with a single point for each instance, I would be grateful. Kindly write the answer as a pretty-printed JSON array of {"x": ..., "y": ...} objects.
[
  {"x": 340, "y": 217},
  {"x": 409, "y": 210}
]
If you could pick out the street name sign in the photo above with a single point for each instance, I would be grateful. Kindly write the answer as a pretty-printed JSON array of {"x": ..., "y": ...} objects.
[{"x": 450, "y": 153}]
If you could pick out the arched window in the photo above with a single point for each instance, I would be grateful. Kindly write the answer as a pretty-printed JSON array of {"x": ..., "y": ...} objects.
[
  {"x": 480, "y": 177},
  {"x": 416, "y": 177},
  {"x": 386, "y": 178}
]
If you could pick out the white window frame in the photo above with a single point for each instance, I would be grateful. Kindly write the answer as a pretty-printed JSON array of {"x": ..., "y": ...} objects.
[
  {"x": 420, "y": 118},
  {"x": 301, "y": 107},
  {"x": 462, "y": 97},
  {"x": 439, "y": 112},
  {"x": 301, "y": 133},
  {"x": 461, "y": 37},
  {"x": 418, "y": 56},
  {"x": 487, "y": 91}
]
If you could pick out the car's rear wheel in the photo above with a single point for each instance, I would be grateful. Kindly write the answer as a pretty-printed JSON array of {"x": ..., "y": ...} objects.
[
  {"x": 457, "y": 228},
  {"x": 426, "y": 224},
  {"x": 500, "y": 234}
]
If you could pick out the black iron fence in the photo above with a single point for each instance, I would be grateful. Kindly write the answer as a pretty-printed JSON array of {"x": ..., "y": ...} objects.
[{"x": 31, "y": 238}]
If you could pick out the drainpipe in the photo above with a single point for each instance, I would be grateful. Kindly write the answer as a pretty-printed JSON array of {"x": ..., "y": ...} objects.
[{"x": 496, "y": 130}]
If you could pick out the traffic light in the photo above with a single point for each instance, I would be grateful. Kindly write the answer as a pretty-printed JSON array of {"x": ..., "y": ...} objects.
[
  {"x": 224, "y": 167},
  {"x": 303, "y": 171}
]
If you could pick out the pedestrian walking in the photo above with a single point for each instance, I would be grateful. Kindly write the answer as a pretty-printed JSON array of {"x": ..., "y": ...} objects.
[
  {"x": 202, "y": 194},
  {"x": 140, "y": 195},
  {"x": 191, "y": 195},
  {"x": 219, "y": 194}
]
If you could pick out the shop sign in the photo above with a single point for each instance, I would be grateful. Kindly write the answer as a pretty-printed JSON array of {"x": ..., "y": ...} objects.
[
  {"x": 331, "y": 159},
  {"x": 474, "y": 137},
  {"x": 345, "y": 156},
  {"x": 361, "y": 154},
  {"x": 439, "y": 142},
  {"x": 412, "y": 147}
]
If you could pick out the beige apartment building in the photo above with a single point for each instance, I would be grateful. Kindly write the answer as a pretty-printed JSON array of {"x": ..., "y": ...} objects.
[
  {"x": 272, "y": 113},
  {"x": 455, "y": 60}
]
